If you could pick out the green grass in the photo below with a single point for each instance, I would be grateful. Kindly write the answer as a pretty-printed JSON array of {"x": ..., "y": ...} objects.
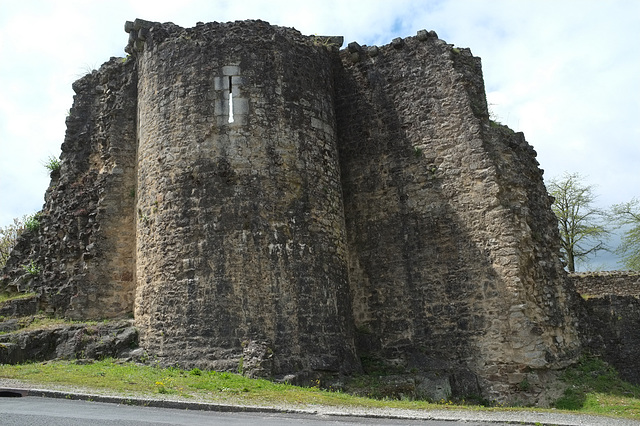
[
  {"x": 594, "y": 387},
  {"x": 39, "y": 322},
  {"x": 5, "y": 297},
  {"x": 129, "y": 378}
]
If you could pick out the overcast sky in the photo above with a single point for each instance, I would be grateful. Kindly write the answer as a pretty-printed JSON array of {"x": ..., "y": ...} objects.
[{"x": 566, "y": 73}]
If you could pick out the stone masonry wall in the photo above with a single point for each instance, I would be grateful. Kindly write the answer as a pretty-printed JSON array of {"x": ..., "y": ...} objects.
[
  {"x": 622, "y": 283},
  {"x": 610, "y": 318},
  {"x": 453, "y": 263},
  {"x": 84, "y": 248},
  {"x": 241, "y": 244},
  {"x": 610, "y": 328}
]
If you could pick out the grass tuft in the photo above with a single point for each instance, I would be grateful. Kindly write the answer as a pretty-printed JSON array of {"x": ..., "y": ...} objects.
[
  {"x": 40, "y": 322},
  {"x": 6, "y": 297}
]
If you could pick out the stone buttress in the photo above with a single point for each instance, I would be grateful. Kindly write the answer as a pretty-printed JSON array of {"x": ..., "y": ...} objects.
[{"x": 452, "y": 242}]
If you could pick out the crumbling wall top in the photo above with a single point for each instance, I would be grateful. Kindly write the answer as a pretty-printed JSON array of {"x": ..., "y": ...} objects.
[
  {"x": 139, "y": 30},
  {"x": 356, "y": 52},
  {"x": 601, "y": 283}
]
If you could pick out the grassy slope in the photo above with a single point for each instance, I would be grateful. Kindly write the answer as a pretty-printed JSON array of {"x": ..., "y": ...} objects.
[
  {"x": 131, "y": 379},
  {"x": 594, "y": 387}
]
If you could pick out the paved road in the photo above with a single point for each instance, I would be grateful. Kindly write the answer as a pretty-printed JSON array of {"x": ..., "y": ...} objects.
[
  {"x": 32, "y": 410},
  {"x": 71, "y": 408}
]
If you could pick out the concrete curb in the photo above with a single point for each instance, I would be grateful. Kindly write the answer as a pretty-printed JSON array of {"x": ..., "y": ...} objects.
[
  {"x": 521, "y": 418},
  {"x": 147, "y": 402}
]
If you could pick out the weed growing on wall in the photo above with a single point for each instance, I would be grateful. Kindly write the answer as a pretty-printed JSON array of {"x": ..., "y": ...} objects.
[
  {"x": 32, "y": 268},
  {"x": 52, "y": 164},
  {"x": 32, "y": 223}
]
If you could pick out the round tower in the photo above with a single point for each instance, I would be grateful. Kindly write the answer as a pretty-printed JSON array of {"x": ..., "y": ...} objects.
[{"x": 241, "y": 249}]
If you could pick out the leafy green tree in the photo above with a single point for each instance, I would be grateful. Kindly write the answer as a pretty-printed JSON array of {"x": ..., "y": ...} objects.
[
  {"x": 628, "y": 215},
  {"x": 582, "y": 232}
]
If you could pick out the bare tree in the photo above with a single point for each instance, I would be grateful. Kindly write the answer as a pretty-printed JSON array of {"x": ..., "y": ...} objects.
[
  {"x": 8, "y": 237},
  {"x": 628, "y": 215},
  {"x": 582, "y": 232}
]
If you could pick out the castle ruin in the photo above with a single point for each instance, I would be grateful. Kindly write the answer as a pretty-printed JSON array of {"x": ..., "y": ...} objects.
[{"x": 259, "y": 198}]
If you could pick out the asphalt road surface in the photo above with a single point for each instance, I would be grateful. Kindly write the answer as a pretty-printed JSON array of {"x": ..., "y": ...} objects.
[{"x": 32, "y": 410}]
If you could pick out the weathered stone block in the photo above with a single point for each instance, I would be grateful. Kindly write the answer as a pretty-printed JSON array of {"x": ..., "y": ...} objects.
[
  {"x": 433, "y": 389},
  {"x": 240, "y": 106},
  {"x": 230, "y": 70},
  {"x": 353, "y": 47},
  {"x": 221, "y": 83}
]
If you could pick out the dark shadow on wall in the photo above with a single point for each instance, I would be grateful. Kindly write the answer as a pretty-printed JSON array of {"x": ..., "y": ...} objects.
[
  {"x": 610, "y": 328},
  {"x": 439, "y": 215},
  {"x": 418, "y": 279}
]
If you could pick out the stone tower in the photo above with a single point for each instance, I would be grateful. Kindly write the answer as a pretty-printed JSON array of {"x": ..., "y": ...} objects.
[
  {"x": 240, "y": 231},
  {"x": 261, "y": 200}
]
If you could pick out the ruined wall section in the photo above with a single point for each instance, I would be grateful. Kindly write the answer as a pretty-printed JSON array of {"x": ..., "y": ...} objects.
[
  {"x": 542, "y": 300},
  {"x": 528, "y": 231},
  {"x": 437, "y": 277},
  {"x": 621, "y": 283},
  {"x": 84, "y": 247},
  {"x": 609, "y": 318},
  {"x": 418, "y": 280},
  {"x": 610, "y": 328},
  {"x": 541, "y": 321},
  {"x": 240, "y": 229}
]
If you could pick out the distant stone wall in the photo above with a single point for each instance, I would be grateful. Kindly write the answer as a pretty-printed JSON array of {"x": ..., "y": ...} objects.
[
  {"x": 621, "y": 283},
  {"x": 610, "y": 328},
  {"x": 610, "y": 318}
]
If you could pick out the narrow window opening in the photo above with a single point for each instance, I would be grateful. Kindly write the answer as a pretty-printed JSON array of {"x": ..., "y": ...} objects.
[{"x": 230, "y": 101}]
